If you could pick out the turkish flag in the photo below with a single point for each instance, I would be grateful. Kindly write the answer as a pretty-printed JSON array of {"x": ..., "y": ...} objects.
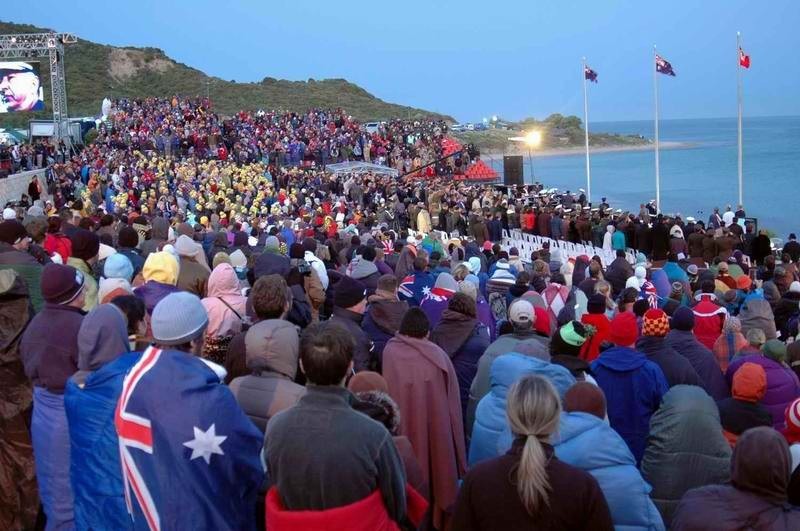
[{"x": 744, "y": 60}]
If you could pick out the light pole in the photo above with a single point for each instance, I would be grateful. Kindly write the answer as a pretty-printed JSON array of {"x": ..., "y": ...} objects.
[{"x": 532, "y": 139}]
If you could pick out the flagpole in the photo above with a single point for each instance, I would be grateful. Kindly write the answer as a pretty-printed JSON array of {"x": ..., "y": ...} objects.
[
  {"x": 586, "y": 134},
  {"x": 658, "y": 174},
  {"x": 739, "y": 109}
]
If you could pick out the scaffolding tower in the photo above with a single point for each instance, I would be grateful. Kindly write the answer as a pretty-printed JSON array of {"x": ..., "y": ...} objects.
[{"x": 51, "y": 45}]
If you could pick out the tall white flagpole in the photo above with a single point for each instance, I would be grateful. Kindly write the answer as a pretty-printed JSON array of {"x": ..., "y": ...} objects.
[
  {"x": 586, "y": 134},
  {"x": 739, "y": 105},
  {"x": 658, "y": 174}
]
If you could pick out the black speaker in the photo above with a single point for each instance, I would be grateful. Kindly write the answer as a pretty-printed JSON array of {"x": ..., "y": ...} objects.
[{"x": 512, "y": 170}]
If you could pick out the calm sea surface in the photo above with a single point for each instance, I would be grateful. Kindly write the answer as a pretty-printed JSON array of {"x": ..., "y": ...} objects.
[{"x": 696, "y": 179}]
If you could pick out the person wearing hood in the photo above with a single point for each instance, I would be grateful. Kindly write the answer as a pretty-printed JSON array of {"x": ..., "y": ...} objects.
[
  {"x": 159, "y": 234},
  {"x": 522, "y": 317},
  {"x": 653, "y": 344},
  {"x": 756, "y": 313},
  {"x": 744, "y": 410},
  {"x": 423, "y": 382},
  {"x": 194, "y": 270},
  {"x": 116, "y": 279},
  {"x": 349, "y": 305},
  {"x": 309, "y": 253},
  {"x": 787, "y": 310},
  {"x": 49, "y": 360},
  {"x": 681, "y": 338},
  {"x": 405, "y": 261},
  {"x": 586, "y": 442},
  {"x": 383, "y": 315},
  {"x": 160, "y": 273},
  {"x": 618, "y": 272},
  {"x": 783, "y": 386},
  {"x": 271, "y": 261},
  {"x": 633, "y": 385},
  {"x": 363, "y": 268},
  {"x": 226, "y": 308},
  {"x": 757, "y": 495},
  {"x": 608, "y": 238},
  {"x": 685, "y": 448},
  {"x": 435, "y": 302},
  {"x": 595, "y": 317},
  {"x": 464, "y": 339},
  {"x": 272, "y": 350},
  {"x": 85, "y": 250},
  {"x": 90, "y": 398},
  {"x": 709, "y": 317},
  {"x": 729, "y": 343}
]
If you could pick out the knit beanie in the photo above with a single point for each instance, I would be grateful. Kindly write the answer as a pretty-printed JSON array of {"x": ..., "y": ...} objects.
[
  {"x": 682, "y": 319},
  {"x": 118, "y": 266},
  {"x": 775, "y": 349},
  {"x": 367, "y": 381},
  {"x": 585, "y": 397},
  {"x": 792, "y": 431},
  {"x": 85, "y": 244},
  {"x": 623, "y": 329},
  {"x": 568, "y": 339},
  {"x": 445, "y": 281},
  {"x": 128, "y": 237},
  {"x": 178, "y": 318},
  {"x": 349, "y": 292},
  {"x": 11, "y": 231},
  {"x": 61, "y": 283},
  {"x": 596, "y": 303},
  {"x": 655, "y": 323},
  {"x": 161, "y": 267},
  {"x": 272, "y": 244}
]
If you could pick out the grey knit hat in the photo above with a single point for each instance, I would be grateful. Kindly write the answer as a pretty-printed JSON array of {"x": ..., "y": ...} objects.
[{"x": 178, "y": 318}]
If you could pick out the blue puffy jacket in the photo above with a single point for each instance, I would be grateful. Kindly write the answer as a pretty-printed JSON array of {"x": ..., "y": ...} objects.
[
  {"x": 586, "y": 442},
  {"x": 633, "y": 386},
  {"x": 95, "y": 471},
  {"x": 491, "y": 435}
]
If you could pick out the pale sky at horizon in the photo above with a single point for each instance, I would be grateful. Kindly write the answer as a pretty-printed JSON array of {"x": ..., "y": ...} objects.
[{"x": 462, "y": 59}]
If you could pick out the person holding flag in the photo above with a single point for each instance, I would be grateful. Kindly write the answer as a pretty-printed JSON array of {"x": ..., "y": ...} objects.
[{"x": 190, "y": 456}]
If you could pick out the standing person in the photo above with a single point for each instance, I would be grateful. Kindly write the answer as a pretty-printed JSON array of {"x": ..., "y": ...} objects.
[
  {"x": 756, "y": 495},
  {"x": 90, "y": 399},
  {"x": 436, "y": 301},
  {"x": 383, "y": 315},
  {"x": 85, "y": 247},
  {"x": 633, "y": 385},
  {"x": 127, "y": 242},
  {"x": 193, "y": 270},
  {"x": 529, "y": 487},
  {"x": 174, "y": 414},
  {"x": 415, "y": 285},
  {"x": 423, "y": 382},
  {"x": 349, "y": 305},
  {"x": 743, "y": 409},
  {"x": 160, "y": 273},
  {"x": 709, "y": 316},
  {"x": 653, "y": 344},
  {"x": 226, "y": 308},
  {"x": 19, "y": 505},
  {"x": 327, "y": 462},
  {"x": 50, "y": 359},
  {"x": 14, "y": 255}
]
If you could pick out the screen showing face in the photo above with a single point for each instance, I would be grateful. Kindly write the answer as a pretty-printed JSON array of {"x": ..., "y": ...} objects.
[{"x": 20, "y": 87}]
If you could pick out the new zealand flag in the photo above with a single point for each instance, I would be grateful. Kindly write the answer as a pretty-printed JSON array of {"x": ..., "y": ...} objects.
[
  {"x": 590, "y": 74},
  {"x": 190, "y": 456},
  {"x": 663, "y": 66}
]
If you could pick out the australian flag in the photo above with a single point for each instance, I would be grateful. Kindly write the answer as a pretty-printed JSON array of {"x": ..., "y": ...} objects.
[
  {"x": 663, "y": 66},
  {"x": 413, "y": 288},
  {"x": 590, "y": 74},
  {"x": 190, "y": 456}
]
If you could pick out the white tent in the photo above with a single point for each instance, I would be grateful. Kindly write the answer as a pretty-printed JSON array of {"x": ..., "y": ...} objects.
[{"x": 356, "y": 167}]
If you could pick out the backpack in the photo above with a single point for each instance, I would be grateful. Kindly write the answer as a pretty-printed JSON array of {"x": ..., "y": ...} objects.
[{"x": 499, "y": 306}]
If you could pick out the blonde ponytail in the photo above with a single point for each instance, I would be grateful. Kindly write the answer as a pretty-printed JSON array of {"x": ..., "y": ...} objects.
[{"x": 533, "y": 410}]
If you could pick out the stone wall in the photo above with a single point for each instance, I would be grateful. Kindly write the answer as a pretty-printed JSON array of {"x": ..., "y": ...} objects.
[{"x": 13, "y": 186}]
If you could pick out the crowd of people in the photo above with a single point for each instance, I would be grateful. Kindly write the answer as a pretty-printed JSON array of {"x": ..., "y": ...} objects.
[{"x": 202, "y": 327}]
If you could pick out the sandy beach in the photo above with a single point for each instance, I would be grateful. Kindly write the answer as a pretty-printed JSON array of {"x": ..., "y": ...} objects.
[{"x": 515, "y": 149}]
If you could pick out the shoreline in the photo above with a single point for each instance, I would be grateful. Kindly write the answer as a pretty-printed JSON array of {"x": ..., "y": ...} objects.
[{"x": 580, "y": 150}]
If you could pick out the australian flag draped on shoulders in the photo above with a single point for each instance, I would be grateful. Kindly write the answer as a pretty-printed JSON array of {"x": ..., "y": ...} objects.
[
  {"x": 190, "y": 456},
  {"x": 413, "y": 288}
]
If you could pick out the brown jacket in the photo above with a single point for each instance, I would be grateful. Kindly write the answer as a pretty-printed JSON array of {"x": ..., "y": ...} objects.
[
  {"x": 423, "y": 382},
  {"x": 193, "y": 277},
  {"x": 315, "y": 293}
]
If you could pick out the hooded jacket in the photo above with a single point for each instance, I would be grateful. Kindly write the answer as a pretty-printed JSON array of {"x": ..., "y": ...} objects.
[
  {"x": 225, "y": 304},
  {"x": 617, "y": 273},
  {"x": 685, "y": 448},
  {"x": 743, "y": 410},
  {"x": 677, "y": 369},
  {"x": 365, "y": 271},
  {"x": 782, "y": 385},
  {"x": 702, "y": 360},
  {"x": 491, "y": 435},
  {"x": 27, "y": 268},
  {"x": 756, "y": 312},
  {"x": 272, "y": 354},
  {"x": 757, "y": 495},
  {"x": 158, "y": 237},
  {"x": 586, "y": 442},
  {"x": 90, "y": 399},
  {"x": 633, "y": 386},
  {"x": 708, "y": 320},
  {"x": 382, "y": 321}
]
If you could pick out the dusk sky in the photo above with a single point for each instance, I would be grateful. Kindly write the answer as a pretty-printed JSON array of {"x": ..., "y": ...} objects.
[{"x": 472, "y": 59}]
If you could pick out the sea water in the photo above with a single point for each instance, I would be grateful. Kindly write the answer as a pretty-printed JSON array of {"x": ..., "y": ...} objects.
[{"x": 694, "y": 179}]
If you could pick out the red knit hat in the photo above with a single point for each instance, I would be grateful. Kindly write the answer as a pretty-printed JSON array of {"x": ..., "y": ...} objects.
[
  {"x": 655, "y": 323},
  {"x": 792, "y": 431},
  {"x": 623, "y": 329}
]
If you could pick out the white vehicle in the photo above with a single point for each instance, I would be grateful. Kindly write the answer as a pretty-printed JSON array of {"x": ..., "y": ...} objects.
[{"x": 372, "y": 127}]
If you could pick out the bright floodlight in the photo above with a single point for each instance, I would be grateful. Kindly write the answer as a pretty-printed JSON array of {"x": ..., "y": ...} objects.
[{"x": 533, "y": 138}]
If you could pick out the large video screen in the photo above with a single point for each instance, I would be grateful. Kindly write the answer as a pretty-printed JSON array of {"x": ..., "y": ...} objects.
[{"x": 20, "y": 87}]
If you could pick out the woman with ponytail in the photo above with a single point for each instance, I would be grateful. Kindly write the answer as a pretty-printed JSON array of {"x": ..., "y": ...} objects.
[{"x": 529, "y": 488}]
